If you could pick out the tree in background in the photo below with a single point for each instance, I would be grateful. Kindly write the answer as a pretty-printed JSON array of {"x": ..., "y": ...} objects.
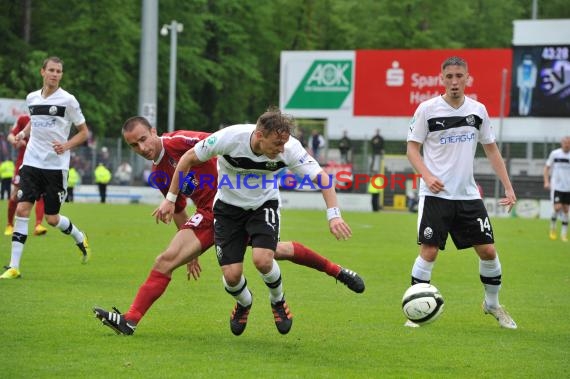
[{"x": 228, "y": 54}]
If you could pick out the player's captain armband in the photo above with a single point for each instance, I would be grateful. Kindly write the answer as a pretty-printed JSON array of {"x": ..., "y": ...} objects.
[
  {"x": 171, "y": 197},
  {"x": 333, "y": 213}
]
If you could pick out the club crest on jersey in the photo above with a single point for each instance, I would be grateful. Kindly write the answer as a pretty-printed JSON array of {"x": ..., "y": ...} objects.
[
  {"x": 428, "y": 233},
  {"x": 271, "y": 165},
  {"x": 470, "y": 120},
  {"x": 211, "y": 140},
  {"x": 53, "y": 110},
  {"x": 172, "y": 162}
]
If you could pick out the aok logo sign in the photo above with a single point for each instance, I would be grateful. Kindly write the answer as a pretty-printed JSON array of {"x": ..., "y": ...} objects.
[{"x": 326, "y": 85}]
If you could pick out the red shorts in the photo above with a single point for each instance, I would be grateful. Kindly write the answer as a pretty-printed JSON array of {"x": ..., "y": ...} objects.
[{"x": 202, "y": 223}]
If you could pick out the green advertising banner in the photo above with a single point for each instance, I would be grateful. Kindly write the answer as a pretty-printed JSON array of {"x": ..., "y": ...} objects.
[{"x": 325, "y": 85}]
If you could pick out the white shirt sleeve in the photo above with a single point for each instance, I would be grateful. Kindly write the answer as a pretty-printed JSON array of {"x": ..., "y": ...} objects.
[{"x": 418, "y": 126}]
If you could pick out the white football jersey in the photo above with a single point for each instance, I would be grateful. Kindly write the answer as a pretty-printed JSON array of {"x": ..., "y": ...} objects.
[
  {"x": 51, "y": 120},
  {"x": 449, "y": 137},
  {"x": 559, "y": 163},
  {"x": 248, "y": 180}
]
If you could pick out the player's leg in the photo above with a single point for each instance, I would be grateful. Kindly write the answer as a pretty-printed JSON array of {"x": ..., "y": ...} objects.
[
  {"x": 556, "y": 213},
  {"x": 54, "y": 196},
  {"x": 300, "y": 254},
  {"x": 263, "y": 228},
  {"x": 432, "y": 225},
  {"x": 12, "y": 204},
  {"x": 183, "y": 248},
  {"x": 472, "y": 227},
  {"x": 39, "y": 229},
  {"x": 19, "y": 237},
  {"x": 490, "y": 273},
  {"x": 30, "y": 190},
  {"x": 231, "y": 242},
  {"x": 564, "y": 217}
]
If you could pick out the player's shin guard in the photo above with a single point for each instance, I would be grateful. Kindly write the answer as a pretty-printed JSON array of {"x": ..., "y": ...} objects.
[
  {"x": 564, "y": 221},
  {"x": 490, "y": 274},
  {"x": 421, "y": 271},
  {"x": 240, "y": 292},
  {"x": 273, "y": 281}
]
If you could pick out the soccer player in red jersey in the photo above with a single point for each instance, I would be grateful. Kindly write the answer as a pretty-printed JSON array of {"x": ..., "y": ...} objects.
[
  {"x": 39, "y": 229},
  {"x": 195, "y": 234}
]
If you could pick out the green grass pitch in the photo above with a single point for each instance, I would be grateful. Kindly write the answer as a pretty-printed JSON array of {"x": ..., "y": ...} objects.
[{"x": 47, "y": 328}]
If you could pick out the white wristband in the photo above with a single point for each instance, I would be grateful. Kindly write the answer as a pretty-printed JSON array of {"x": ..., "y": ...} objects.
[
  {"x": 333, "y": 213},
  {"x": 171, "y": 197}
]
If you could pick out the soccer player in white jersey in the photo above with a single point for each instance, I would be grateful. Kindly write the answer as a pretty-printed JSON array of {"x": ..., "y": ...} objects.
[
  {"x": 449, "y": 127},
  {"x": 247, "y": 204},
  {"x": 557, "y": 180},
  {"x": 46, "y": 161}
]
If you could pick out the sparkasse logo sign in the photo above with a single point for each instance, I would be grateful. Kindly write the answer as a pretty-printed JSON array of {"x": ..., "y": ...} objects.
[{"x": 325, "y": 85}]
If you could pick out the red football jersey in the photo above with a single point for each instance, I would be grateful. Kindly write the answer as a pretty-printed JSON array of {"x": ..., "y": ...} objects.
[
  {"x": 17, "y": 128},
  {"x": 175, "y": 144}
]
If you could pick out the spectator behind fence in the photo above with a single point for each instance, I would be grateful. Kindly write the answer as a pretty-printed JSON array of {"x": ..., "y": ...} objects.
[
  {"x": 73, "y": 178},
  {"x": 124, "y": 173},
  {"x": 102, "y": 178},
  {"x": 316, "y": 144},
  {"x": 377, "y": 145},
  {"x": 344, "y": 146},
  {"x": 6, "y": 174}
]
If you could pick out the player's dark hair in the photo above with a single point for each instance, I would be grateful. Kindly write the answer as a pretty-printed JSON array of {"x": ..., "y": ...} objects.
[
  {"x": 131, "y": 122},
  {"x": 54, "y": 60},
  {"x": 274, "y": 121},
  {"x": 454, "y": 61}
]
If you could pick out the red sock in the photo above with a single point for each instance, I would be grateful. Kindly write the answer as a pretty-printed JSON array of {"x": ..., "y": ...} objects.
[
  {"x": 149, "y": 292},
  {"x": 39, "y": 211},
  {"x": 12, "y": 204},
  {"x": 304, "y": 256}
]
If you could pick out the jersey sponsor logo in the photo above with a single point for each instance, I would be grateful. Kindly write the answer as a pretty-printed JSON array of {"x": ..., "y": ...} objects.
[
  {"x": 456, "y": 138},
  {"x": 43, "y": 123}
]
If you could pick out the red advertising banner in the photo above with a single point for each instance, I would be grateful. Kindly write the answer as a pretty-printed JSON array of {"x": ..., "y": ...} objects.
[{"x": 395, "y": 82}]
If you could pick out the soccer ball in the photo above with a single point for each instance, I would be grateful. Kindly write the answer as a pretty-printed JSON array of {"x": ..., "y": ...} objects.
[{"x": 422, "y": 303}]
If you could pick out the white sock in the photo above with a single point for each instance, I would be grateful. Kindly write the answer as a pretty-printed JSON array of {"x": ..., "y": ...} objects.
[
  {"x": 422, "y": 269},
  {"x": 240, "y": 292},
  {"x": 553, "y": 220},
  {"x": 490, "y": 271},
  {"x": 63, "y": 225},
  {"x": 564, "y": 219},
  {"x": 20, "y": 227},
  {"x": 273, "y": 281}
]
